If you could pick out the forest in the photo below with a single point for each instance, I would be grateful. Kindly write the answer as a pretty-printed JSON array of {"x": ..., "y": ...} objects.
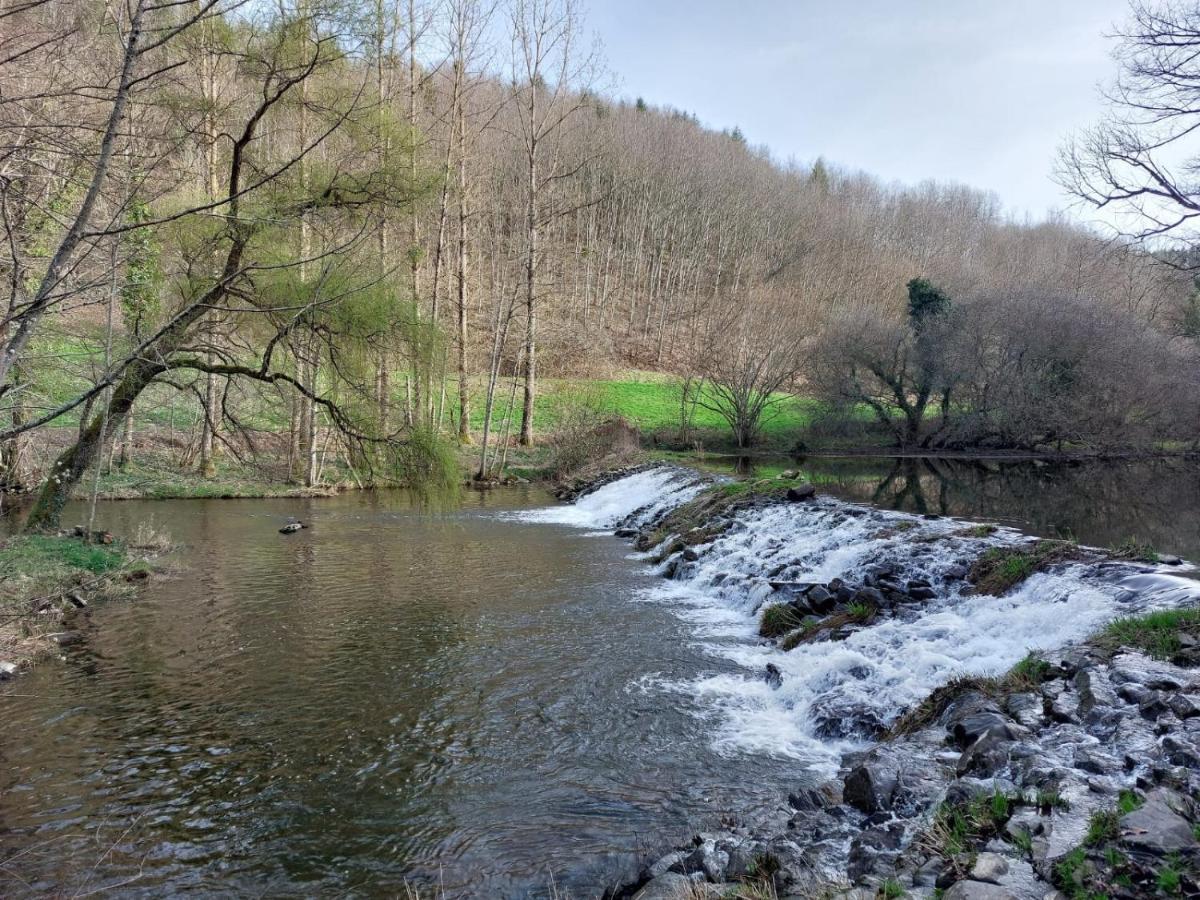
[{"x": 374, "y": 241}]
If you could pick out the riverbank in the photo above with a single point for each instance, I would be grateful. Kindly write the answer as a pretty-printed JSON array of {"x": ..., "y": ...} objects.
[
  {"x": 1071, "y": 775},
  {"x": 49, "y": 583}
]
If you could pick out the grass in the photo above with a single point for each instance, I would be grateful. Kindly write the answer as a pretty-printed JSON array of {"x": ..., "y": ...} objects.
[
  {"x": 777, "y": 620},
  {"x": 1000, "y": 569},
  {"x": 957, "y": 828},
  {"x": 1025, "y": 676},
  {"x": 1133, "y": 549},
  {"x": 1155, "y": 633},
  {"x": 39, "y": 573},
  {"x": 51, "y": 559}
]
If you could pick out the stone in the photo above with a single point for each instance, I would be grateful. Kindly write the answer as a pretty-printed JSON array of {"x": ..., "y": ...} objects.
[
  {"x": 1027, "y": 709},
  {"x": 773, "y": 676},
  {"x": 1185, "y": 705},
  {"x": 291, "y": 528},
  {"x": 869, "y": 787},
  {"x": 626, "y": 532},
  {"x": 710, "y": 860},
  {"x": 977, "y": 890},
  {"x": 65, "y": 638},
  {"x": 989, "y": 867},
  {"x": 1065, "y": 708},
  {"x": 1181, "y": 752},
  {"x": 874, "y": 851},
  {"x": 1096, "y": 693},
  {"x": 1156, "y": 827},
  {"x": 1139, "y": 669},
  {"x": 670, "y": 886},
  {"x": 690, "y": 555},
  {"x": 77, "y": 600},
  {"x": 7, "y": 670},
  {"x": 987, "y": 755},
  {"x": 1096, "y": 761},
  {"x": 801, "y": 492},
  {"x": 871, "y": 596},
  {"x": 922, "y": 593},
  {"x": 672, "y": 862},
  {"x": 820, "y": 600}
]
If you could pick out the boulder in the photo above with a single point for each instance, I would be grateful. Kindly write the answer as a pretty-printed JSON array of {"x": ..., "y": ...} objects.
[
  {"x": 773, "y": 676},
  {"x": 819, "y": 599},
  {"x": 7, "y": 670},
  {"x": 1026, "y": 708},
  {"x": 672, "y": 862},
  {"x": 1097, "y": 695},
  {"x": 708, "y": 859},
  {"x": 874, "y": 852},
  {"x": 1185, "y": 706},
  {"x": 670, "y": 886},
  {"x": 1156, "y": 827},
  {"x": 987, "y": 755},
  {"x": 989, "y": 867},
  {"x": 977, "y": 890},
  {"x": 801, "y": 492}
]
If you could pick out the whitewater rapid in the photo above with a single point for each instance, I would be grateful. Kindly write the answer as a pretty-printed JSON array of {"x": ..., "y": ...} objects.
[{"x": 878, "y": 671}]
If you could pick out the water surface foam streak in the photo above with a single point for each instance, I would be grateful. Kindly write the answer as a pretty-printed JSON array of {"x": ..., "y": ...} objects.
[{"x": 836, "y": 692}]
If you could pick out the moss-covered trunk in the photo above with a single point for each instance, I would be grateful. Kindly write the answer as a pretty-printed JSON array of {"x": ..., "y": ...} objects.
[{"x": 68, "y": 469}]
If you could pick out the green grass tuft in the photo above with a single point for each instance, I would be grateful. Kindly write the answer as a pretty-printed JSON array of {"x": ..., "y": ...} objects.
[
  {"x": 777, "y": 620},
  {"x": 1156, "y": 633}
]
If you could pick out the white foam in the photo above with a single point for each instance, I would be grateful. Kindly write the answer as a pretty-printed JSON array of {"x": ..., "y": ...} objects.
[
  {"x": 877, "y": 671},
  {"x": 646, "y": 493}
]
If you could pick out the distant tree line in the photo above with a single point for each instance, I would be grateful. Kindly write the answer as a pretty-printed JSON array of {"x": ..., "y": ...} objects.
[{"x": 384, "y": 223}]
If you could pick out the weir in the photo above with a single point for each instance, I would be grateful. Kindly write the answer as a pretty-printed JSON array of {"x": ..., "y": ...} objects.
[{"x": 836, "y": 695}]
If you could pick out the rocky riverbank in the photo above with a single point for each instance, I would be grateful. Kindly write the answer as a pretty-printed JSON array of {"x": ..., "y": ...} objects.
[{"x": 1075, "y": 774}]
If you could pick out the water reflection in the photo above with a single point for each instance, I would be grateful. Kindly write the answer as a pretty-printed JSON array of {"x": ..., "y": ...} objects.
[{"x": 1096, "y": 502}]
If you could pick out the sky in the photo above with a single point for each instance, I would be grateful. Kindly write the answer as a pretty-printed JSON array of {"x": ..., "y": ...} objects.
[{"x": 981, "y": 92}]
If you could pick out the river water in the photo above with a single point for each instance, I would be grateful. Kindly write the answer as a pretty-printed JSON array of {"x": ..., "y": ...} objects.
[{"x": 497, "y": 701}]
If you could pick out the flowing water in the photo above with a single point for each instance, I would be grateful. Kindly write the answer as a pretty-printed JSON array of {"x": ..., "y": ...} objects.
[{"x": 493, "y": 700}]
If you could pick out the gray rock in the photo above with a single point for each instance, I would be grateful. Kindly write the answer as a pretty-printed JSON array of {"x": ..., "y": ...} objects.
[
  {"x": 708, "y": 859},
  {"x": 869, "y": 787},
  {"x": 1185, "y": 706},
  {"x": 672, "y": 862},
  {"x": 987, "y": 755},
  {"x": 1140, "y": 669},
  {"x": 1097, "y": 695},
  {"x": 1065, "y": 708},
  {"x": 978, "y": 890},
  {"x": 1156, "y": 827},
  {"x": 671, "y": 886},
  {"x": 1096, "y": 761},
  {"x": 874, "y": 852},
  {"x": 989, "y": 867},
  {"x": 1027, "y": 709},
  {"x": 801, "y": 492}
]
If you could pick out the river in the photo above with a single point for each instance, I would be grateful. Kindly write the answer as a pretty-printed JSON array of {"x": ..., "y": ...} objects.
[{"x": 496, "y": 701}]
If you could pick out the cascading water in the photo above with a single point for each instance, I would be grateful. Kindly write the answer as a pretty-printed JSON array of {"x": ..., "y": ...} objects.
[{"x": 834, "y": 692}]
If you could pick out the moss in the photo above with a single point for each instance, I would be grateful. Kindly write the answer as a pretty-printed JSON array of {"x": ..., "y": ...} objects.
[
  {"x": 1156, "y": 633},
  {"x": 1000, "y": 569}
]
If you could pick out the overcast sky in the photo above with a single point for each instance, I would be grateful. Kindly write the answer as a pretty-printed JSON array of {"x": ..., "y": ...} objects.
[{"x": 976, "y": 91}]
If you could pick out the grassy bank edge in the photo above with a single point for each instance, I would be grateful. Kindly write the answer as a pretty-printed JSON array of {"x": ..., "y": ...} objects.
[{"x": 48, "y": 583}]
